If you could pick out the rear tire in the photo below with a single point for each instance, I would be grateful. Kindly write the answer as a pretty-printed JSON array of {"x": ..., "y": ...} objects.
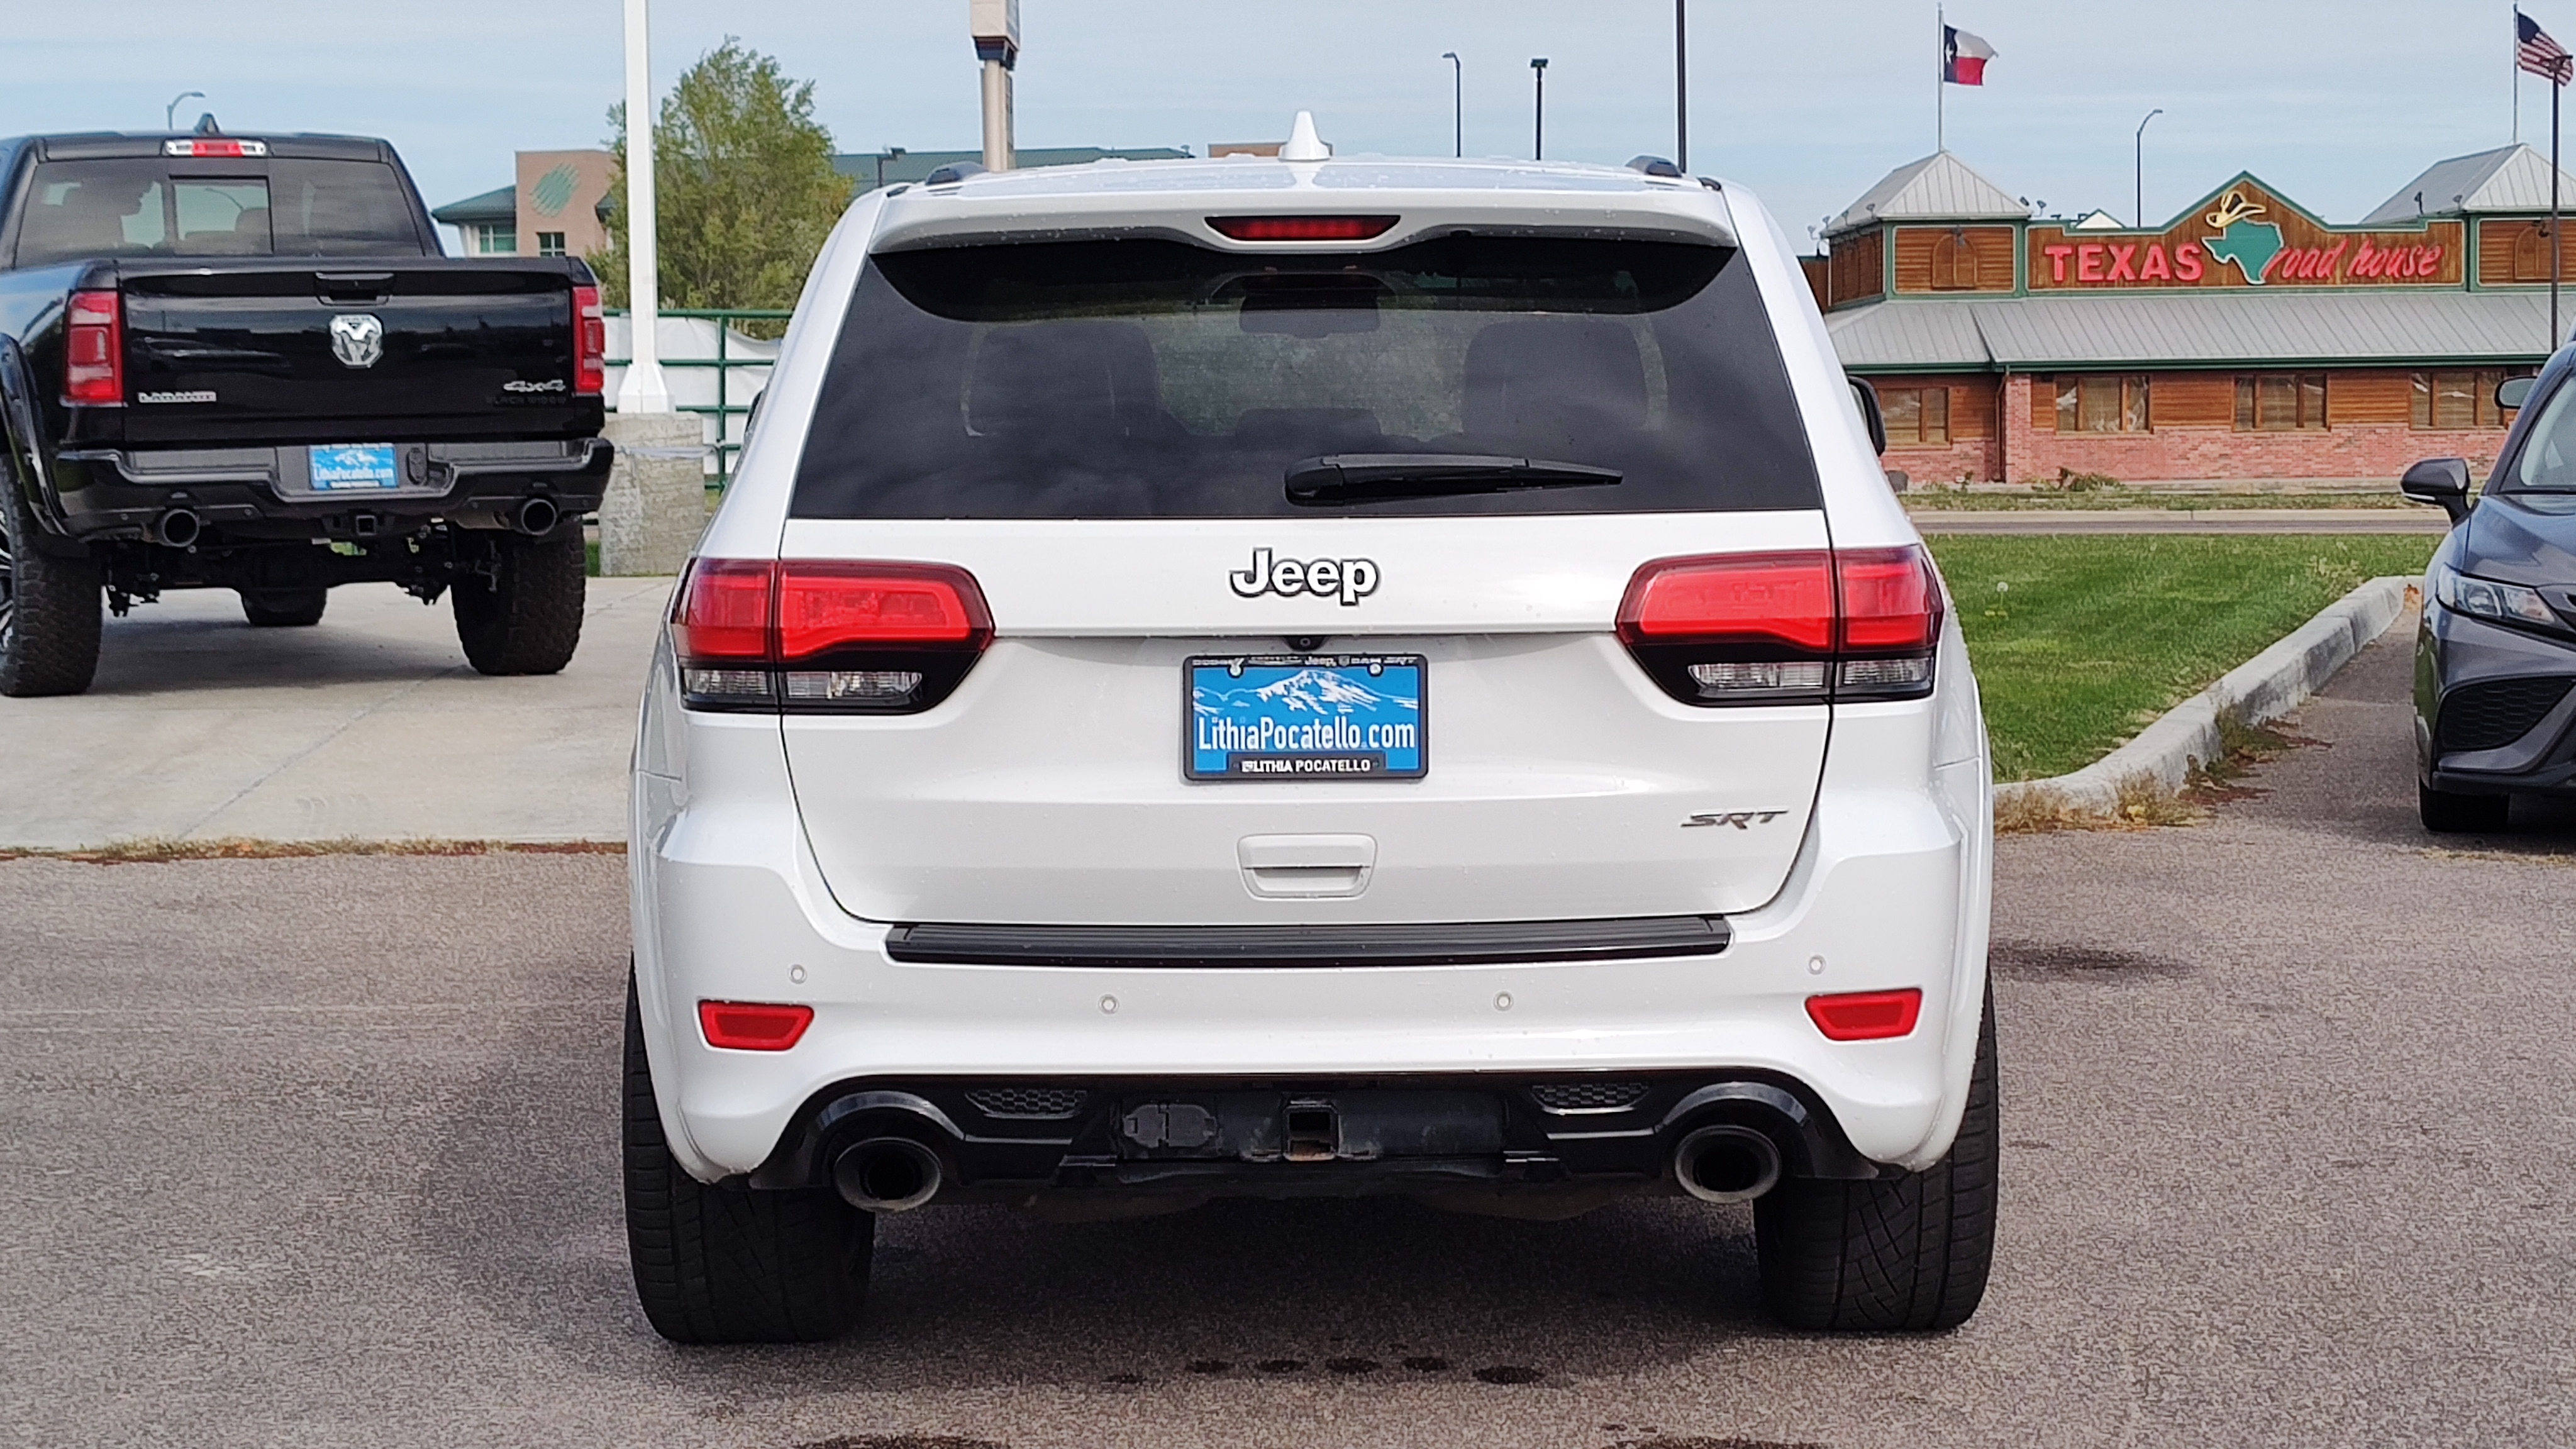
[
  {"x": 526, "y": 617},
  {"x": 1903, "y": 1253},
  {"x": 49, "y": 608},
  {"x": 725, "y": 1263},
  {"x": 284, "y": 608},
  {"x": 2447, "y": 812}
]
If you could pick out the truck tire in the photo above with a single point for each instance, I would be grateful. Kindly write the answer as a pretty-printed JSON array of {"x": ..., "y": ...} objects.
[
  {"x": 2447, "y": 812},
  {"x": 526, "y": 618},
  {"x": 724, "y": 1263},
  {"x": 284, "y": 608},
  {"x": 1904, "y": 1253},
  {"x": 49, "y": 609}
]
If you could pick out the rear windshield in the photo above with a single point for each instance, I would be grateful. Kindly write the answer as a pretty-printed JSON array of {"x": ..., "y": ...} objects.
[
  {"x": 1156, "y": 379},
  {"x": 145, "y": 207}
]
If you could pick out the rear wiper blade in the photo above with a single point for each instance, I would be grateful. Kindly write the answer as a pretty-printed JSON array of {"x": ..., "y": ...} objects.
[{"x": 1368, "y": 477}]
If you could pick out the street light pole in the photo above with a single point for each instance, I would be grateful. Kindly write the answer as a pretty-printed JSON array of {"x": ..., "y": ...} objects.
[
  {"x": 170, "y": 112},
  {"x": 1458, "y": 95},
  {"x": 2141, "y": 159},
  {"x": 996, "y": 25},
  {"x": 1681, "y": 87},
  {"x": 1538, "y": 108},
  {"x": 642, "y": 390}
]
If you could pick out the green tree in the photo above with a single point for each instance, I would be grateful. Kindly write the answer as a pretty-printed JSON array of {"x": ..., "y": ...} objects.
[{"x": 744, "y": 183}]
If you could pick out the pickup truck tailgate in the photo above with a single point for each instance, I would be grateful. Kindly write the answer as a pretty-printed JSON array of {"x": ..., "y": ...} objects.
[{"x": 308, "y": 350}]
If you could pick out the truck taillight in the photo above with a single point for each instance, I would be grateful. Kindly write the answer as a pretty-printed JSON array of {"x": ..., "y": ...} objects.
[
  {"x": 94, "y": 349},
  {"x": 826, "y": 635},
  {"x": 589, "y": 342},
  {"x": 1783, "y": 628}
]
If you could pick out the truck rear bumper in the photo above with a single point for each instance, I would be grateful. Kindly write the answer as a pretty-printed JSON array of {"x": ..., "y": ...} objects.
[{"x": 116, "y": 492}]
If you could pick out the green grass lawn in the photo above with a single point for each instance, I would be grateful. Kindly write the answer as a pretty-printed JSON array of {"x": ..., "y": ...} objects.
[{"x": 2080, "y": 641}]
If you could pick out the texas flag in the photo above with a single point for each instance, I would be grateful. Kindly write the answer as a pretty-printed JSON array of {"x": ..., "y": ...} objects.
[{"x": 1964, "y": 57}]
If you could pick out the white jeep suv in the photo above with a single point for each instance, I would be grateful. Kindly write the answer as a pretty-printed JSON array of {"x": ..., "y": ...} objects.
[{"x": 1309, "y": 677}]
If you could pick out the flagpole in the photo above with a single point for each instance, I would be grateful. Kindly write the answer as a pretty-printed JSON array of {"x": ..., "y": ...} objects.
[
  {"x": 2557, "y": 246},
  {"x": 1940, "y": 80},
  {"x": 2517, "y": 75}
]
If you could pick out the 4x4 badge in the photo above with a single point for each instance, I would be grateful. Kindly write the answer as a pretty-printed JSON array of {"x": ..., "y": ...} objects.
[{"x": 1348, "y": 579}]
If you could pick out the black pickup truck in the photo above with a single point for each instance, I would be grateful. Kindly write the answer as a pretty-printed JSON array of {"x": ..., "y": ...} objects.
[{"x": 242, "y": 363}]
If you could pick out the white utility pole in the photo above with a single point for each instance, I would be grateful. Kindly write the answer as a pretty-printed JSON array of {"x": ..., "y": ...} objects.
[
  {"x": 996, "y": 25},
  {"x": 642, "y": 390}
]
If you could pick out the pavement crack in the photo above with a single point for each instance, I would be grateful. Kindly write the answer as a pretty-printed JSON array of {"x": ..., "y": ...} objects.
[{"x": 343, "y": 727}]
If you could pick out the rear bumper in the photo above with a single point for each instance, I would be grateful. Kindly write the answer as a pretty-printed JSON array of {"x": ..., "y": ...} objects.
[
  {"x": 1889, "y": 891},
  {"x": 117, "y": 492}
]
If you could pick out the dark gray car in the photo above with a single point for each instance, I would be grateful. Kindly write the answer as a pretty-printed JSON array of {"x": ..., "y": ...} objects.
[{"x": 2495, "y": 658}]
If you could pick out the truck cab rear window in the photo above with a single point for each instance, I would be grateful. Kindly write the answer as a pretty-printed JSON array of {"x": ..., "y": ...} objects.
[
  {"x": 146, "y": 207},
  {"x": 1158, "y": 379}
]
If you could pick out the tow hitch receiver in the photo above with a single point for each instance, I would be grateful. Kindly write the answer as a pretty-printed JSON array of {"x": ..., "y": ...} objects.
[{"x": 1314, "y": 1130}]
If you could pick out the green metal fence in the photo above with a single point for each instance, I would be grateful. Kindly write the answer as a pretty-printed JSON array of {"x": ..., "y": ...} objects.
[{"x": 724, "y": 409}]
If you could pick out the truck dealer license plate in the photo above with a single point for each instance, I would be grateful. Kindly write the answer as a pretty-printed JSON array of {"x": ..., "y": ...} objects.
[{"x": 355, "y": 467}]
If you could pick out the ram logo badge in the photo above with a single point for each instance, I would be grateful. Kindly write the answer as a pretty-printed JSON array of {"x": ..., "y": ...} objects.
[
  {"x": 1740, "y": 819},
  {"x": 357, "y": 339},
  {"x": 1348, "y": 579}
]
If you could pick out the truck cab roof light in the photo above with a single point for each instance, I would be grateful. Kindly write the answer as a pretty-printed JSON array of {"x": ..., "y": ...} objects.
[{"x": 216, "y": 146}]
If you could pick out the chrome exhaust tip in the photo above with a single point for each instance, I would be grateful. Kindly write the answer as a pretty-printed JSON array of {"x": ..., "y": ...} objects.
[
  {"x": 537, "y": 516},
  {"x": 1725, "y": 1162},
  {"x": 178, "y": 528},
  {"x": 887, "y": 1175}
]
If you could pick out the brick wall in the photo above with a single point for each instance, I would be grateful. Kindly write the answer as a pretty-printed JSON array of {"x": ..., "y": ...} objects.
[{"x": 2367, "y": 450}]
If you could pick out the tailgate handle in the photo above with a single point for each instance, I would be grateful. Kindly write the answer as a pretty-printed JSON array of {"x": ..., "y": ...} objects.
[
  {"x": 353, "y": 286},
  {"x": 1306, "y": 867}
]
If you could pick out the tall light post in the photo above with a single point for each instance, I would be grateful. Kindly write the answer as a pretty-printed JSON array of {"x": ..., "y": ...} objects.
[
  {"x": 642, "y": 390},
  {"x": 996, "y": 24},
  {"x": 1681, "y": 86},
  {"x": 1538, "y": 108},
  {"x": 1458, "y": 96},
  {"x": 170, "y": 112},
  {"x": 2140, "y": 201}
]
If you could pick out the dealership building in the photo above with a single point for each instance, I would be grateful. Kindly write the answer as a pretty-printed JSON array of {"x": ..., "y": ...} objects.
[{"x": 2245, "y": 339}]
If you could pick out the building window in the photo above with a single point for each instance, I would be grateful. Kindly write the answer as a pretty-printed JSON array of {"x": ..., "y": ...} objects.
[
  {"x": 2531, "y": 253},
  {"x": 496, "y": 238},
  {"x": 550, "y": 244},
  {"x": 1954, "y": 263},
  {"x": 2281, "y": 402},
  {"x": 2102, "y": 403},
  {"x": 2463, "y": 399},
  {"x": 1917, "y": 417}
]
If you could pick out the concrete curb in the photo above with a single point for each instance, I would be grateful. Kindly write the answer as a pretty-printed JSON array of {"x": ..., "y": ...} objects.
[{"x": 2267, "y": 686}]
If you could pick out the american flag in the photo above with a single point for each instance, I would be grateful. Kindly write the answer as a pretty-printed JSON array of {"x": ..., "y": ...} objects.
[{"x": 2535, "y": 52}]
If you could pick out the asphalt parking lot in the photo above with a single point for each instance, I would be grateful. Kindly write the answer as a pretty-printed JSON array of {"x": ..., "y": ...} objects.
[{"x": 320, "y": 1152}]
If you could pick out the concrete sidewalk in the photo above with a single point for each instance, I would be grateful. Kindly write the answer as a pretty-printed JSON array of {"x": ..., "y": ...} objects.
[{"x": 369, "y": 725}]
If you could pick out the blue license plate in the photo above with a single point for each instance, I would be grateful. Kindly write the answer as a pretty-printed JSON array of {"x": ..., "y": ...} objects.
[
  {"x": 355, "y": 467},
  {"x": 1306, "y": 717}
]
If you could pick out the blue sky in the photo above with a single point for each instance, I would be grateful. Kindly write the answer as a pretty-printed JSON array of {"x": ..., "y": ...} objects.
[{"x": 2338, "y": 102}]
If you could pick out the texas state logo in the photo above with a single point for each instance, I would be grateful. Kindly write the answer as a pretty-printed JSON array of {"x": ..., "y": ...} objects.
[{"x": 2249, "y": 244}]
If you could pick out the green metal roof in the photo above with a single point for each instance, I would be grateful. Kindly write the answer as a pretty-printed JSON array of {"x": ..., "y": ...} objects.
[{"x": 501, "y": 203}]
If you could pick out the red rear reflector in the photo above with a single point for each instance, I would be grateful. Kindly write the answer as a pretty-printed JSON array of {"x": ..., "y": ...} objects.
[
  {"x": 94, "y": 348},
  {"x": 825, "y": 605},
  {"x": 1889, "y": 599},
  {"x": 722, "y": 610},
  {"x": 1866, "y": 1015},
  {"x": 1302, "y": 228},
  {"x": 589, "y": 342},
  {"x": 753, "y": 1026},
  {"x": 1788, "y": 597}
]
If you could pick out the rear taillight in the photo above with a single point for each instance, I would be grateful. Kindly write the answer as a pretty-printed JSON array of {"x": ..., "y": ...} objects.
[
  {"x": 589, "y": 342},
  {"x": 826, "y": 635},
  {"x": 1781, "y": 628},
  {"x": 1866, "y": 1015},
  {"x": 753, "y": 1026},
  {"x": 94, "y": 349}
]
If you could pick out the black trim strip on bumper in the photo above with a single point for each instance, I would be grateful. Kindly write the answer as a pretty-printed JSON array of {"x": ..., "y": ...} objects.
[{"x": 1200, "y": 947}]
